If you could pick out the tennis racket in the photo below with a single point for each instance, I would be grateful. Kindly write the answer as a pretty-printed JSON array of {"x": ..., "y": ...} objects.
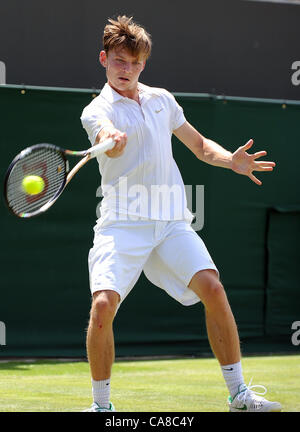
[{"x": 49, "y": 163}]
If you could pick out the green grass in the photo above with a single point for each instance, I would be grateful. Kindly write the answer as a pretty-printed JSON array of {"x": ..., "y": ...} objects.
[{"x": 178, "y": 385}]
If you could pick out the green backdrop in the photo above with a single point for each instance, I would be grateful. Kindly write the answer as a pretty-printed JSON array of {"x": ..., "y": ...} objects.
[{"x": 252, "y": 233}]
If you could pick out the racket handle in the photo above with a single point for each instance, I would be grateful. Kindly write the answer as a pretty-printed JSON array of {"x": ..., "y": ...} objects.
[{"x": 102, "y": 147}]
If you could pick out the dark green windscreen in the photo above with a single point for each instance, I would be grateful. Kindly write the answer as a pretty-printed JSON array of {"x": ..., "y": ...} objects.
[{"x": 252, "y": 233}]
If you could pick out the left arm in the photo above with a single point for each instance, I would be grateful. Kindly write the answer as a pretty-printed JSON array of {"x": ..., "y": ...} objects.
[{"x": 212, "y": 153}]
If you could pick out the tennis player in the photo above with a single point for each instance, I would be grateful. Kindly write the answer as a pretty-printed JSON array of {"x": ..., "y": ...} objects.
[{"x": 139, "y": 229}]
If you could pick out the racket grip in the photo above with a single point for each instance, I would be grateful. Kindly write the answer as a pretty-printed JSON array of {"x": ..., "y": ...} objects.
[{"x": 102, "y": 147}]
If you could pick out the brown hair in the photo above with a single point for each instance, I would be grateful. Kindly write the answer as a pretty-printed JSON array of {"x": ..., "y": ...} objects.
[{"x": 125, "y": 33}]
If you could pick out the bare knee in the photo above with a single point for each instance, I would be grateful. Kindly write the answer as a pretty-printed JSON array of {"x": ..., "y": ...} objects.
[
  {"x": 208, "y": 287},
  {"x": 104, "y": 307}
]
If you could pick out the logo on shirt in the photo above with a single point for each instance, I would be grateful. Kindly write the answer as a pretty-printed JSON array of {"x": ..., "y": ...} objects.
[{"x": 158, "y": 111}]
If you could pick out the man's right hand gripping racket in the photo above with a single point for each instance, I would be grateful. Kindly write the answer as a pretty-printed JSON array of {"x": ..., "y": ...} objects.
[{"x": 48, "y": 165}]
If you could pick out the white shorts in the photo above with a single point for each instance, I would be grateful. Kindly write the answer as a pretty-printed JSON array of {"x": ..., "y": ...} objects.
[{"x": 169, "y": 253}]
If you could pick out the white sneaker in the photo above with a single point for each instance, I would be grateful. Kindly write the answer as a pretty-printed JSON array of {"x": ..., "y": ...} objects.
[
  {"x": 97, "y": 408},
  {"x": 247, "y": 400}
]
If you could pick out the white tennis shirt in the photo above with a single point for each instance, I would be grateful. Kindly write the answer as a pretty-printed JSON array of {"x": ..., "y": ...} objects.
[{"x": 145, "y": 181}]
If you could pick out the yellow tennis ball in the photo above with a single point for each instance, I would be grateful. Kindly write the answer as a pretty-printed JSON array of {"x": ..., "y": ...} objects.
[{"x": 33, "y": 184}]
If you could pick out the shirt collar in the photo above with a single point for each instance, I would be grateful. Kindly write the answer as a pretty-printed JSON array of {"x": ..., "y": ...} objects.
[{"x": 112, "y": 96}]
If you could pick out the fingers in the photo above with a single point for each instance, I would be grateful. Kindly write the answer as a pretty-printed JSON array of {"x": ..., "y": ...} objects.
[
  {"x": 255, "y": 179},
  {"x": 118, "y": 149},
  {"x": 259, "y": 154},
  {"x": 246, "y": 163},
  {"x": 248, "y": 145},
  {"x": 264, "y": 166},
  {"x": 261, "y": 166},
  {"x": 263, "y": 169},
  {"x": 120, "y": 139}
]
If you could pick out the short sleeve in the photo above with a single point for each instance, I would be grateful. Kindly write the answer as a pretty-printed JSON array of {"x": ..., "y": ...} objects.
[
  {"x": 95, "y": 116},
  {"x": 178, "y": 117}
]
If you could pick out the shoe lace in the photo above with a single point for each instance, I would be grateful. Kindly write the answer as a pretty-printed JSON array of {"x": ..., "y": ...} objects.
[{"x": 254, "y": 395}]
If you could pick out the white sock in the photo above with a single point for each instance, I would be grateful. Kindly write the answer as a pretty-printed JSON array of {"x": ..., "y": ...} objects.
[
  {"x": 233, "y": 376},
  {"x": 101, "y": 392}
]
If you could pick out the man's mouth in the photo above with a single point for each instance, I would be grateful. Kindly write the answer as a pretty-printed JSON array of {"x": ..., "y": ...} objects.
[{"x": 123, "y": 79}]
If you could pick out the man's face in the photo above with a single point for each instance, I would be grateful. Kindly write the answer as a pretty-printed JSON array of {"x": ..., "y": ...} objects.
[{"x": 122, "y": 70}]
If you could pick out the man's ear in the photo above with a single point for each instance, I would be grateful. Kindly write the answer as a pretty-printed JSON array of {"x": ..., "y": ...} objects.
[{"x": 103, "y": 58}]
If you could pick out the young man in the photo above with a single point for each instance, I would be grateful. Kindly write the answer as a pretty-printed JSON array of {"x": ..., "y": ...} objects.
[{"x": 139, "y": 229}]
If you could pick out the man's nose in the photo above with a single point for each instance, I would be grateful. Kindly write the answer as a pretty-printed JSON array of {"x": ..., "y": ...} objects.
[{"x": 127, "y": 67}]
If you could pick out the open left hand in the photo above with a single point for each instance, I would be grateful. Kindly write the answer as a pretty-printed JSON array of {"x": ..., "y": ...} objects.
[{"x": 244, "y": 163}]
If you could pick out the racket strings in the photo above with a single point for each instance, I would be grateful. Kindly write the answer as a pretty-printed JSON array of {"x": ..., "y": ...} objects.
[{"x": 47, "y": 163}]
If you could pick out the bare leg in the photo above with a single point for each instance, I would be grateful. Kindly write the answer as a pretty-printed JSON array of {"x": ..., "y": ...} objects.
[
  {"x": 220, "y": 323},
  {"x": 100, "y": 339}
]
